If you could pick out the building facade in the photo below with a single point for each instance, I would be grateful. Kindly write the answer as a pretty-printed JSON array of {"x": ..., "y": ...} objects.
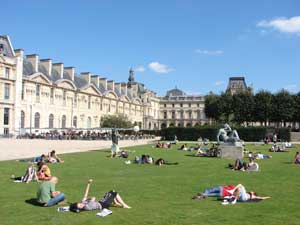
[
  {"x": 38, "y": 95},
  {"x": 182, "y": 110}
]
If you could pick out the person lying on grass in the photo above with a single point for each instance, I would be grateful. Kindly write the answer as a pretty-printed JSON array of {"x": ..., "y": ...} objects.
[
  {"x": 121, "y": 154},
  {"x": 29, "y": 175},
  {"x": 47, "y": 195},
  {"x": 241, "y": 195},
  {"x": 108, "y": 199},
  {"x": 217, "y": 191},
  {"x": 53, "y": 158},
  {"x": 259, "y": 155},
  {"x": 243, "y": 166},
  {"x": 38, "y": 159},
  {"x": 43, "y": 171},
  {"x": 161, "y": 162},
  {"x": 144, "y": 159}
]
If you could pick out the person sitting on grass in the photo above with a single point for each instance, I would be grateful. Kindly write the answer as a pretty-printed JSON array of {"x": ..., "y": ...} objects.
[
  {"x": 297, "y": 158},
  {"x": 88, "y": 204},
  {"x": 158, "y": 145},
  {"x": 217, "y": 191},
  {"x": 183, "y": 147},
  {"x": 29, "y": 175},
  {"x": 43, "y": 171},
  {"x": 53, "y": 158},
  {"x": 241, "y": 195},
  {"x": 47, "y": 195}
]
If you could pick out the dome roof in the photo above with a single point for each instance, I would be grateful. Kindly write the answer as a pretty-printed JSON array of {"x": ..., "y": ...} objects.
[{"x": 175, "y": 92}]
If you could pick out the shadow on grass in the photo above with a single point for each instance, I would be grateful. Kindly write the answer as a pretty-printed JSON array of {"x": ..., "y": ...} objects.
[
  {"x": 102, "y": 151},
  {"x": 34, "y": 202},
  {"x": 287, "y": 162}
]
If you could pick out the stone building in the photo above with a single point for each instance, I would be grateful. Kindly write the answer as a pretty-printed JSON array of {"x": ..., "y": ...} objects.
[
  {"x": 236, "y": 84},
  {"x": 38, "y": 95},
  {"x": 179, "y": 109}
]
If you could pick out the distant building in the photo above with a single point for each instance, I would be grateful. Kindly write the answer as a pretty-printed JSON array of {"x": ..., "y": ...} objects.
[
  {"x": 236, "y": 84},
  {"x": 181, "y": 110}
]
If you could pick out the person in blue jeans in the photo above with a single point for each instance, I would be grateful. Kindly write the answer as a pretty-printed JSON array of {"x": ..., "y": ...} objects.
[{"x": 47, "y": 195}]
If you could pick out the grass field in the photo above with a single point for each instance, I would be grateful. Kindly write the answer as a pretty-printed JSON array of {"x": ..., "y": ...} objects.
[{"x": 158, "y": 195}]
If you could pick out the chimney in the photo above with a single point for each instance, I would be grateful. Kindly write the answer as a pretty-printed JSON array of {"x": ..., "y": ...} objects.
[
  {"x": 47, "y": 64},
  {"x": 86, "y": 76},
  {"x": 95, "y": 80},
  {"x": 118, "y": 87},
  {"x": 19, "y": 52},
  {"x": 111, "y": 85},
  {"x": 103, "y": 81},
  {"x": 71, "y": 71},
  {"x": 59, "y": 68},
  {"x": 124, "y": 88},
  {"x": 34, "y": 61}
]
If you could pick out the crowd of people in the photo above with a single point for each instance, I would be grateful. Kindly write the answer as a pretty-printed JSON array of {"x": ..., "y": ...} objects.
[
  {"x": 47, "y": 195},
  {"x": 38, "y": 170},
  {"x": 84, "y": 135}
]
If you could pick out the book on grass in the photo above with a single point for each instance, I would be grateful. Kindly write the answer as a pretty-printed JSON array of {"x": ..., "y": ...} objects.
[{"x": 104, "y": 212}]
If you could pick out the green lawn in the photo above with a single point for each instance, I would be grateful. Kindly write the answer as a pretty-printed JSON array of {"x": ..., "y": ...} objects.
[{"x": 158, "y": 195}]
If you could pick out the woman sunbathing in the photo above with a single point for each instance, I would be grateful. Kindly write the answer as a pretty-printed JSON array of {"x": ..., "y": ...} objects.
[
  {"x": 108, "y": 199},
  {"x": 29, "y": 175}
]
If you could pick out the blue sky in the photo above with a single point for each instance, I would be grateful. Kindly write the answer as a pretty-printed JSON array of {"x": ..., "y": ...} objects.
[{"x": 194, "y": 44}]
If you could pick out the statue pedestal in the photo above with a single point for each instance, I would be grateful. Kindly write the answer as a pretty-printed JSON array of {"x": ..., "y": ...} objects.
[{"x": 233, "y": 151}]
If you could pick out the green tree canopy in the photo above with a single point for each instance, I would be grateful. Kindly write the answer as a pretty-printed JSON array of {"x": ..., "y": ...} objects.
[
  {"x": 115, "y": 121},
  {"x": 263, "y": 106}
]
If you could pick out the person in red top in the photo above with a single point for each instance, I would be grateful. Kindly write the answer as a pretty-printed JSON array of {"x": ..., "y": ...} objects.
[{"x": 218, "y": 191}]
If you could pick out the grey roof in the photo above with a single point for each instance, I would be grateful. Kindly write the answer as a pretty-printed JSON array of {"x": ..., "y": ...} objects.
[
  {"x": 79, "y": 81},
  {"x": 175, "y": 92},
  {"x": 6, "y": 47}
]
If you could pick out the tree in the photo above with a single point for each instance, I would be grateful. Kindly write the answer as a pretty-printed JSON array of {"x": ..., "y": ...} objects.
[
  {"x": 115, "y": 121},
  {"x": 296, "y": 116},
  {"x": 282, "y": 107},
  {"x": 242, "y": 107},
  {"x": 225, "y": 107},
  {"x": 263, "y": 106},
  {"x": 212, "y": 106}
]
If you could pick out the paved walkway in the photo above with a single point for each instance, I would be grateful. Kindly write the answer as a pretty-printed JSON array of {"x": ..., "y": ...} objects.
[{"x": 24, "y": 148}]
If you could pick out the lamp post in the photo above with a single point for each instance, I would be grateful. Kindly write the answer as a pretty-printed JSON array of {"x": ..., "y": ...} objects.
[{"x": 30, "y": 119}]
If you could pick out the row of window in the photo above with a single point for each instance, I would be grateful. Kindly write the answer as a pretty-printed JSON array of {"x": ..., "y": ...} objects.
[
  {"x": 38, "y": 93},
  {"x": 182, "y": 115},
  {"x": 181, "y": 105},
  {"x": 37, "y": 119}
]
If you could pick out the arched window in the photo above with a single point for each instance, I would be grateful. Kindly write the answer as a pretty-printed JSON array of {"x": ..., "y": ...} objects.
[
  {"x": 163, "y": 126},
  {"x": 88, "y": 122},
  {"x": 63, "y": 121},
  {"x": 188, "y": 125},
  {"x": 75, "y": 121},
  {"x": 22, "y": 119},
  {"x": 37, "y": 120},
  {"x": 51, "y": 120}
]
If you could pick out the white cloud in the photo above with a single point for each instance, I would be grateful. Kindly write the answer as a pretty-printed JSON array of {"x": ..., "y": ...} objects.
[
  {"x": 284, "y": 25},
  {"x": 209, "y": 52},
  {"x": 292, "y": 88},
  {"x": 159, "y": 68},
  {"x": 219, "y": 83},
  {"x": 140, "y": 69}
]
